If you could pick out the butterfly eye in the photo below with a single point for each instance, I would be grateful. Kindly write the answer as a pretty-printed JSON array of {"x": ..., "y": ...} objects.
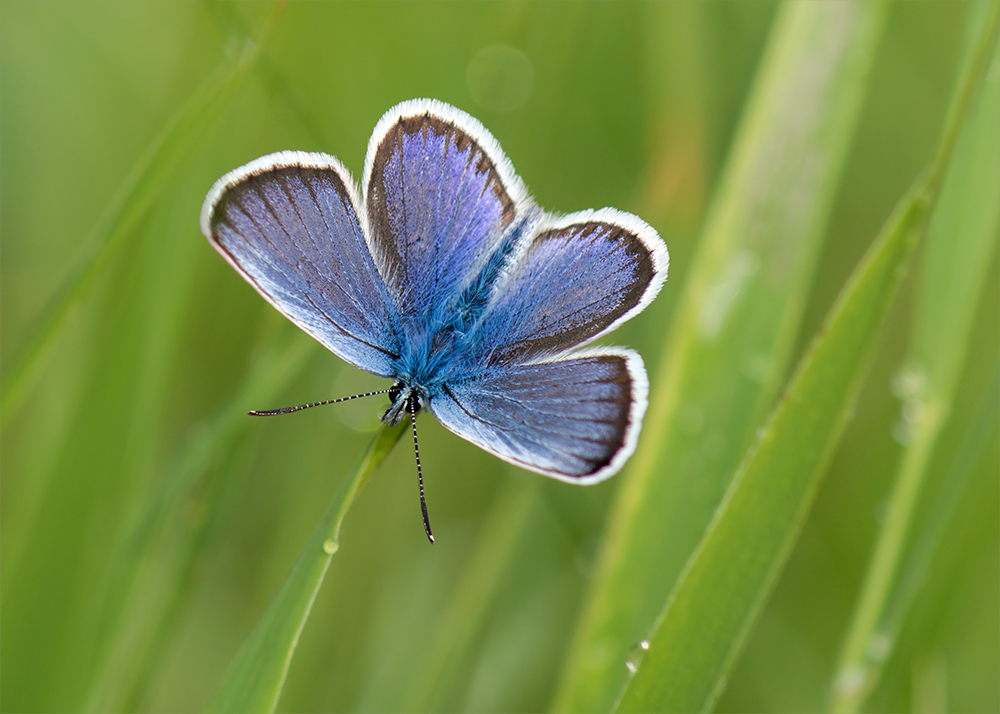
[{"x": 394, "y": 391}]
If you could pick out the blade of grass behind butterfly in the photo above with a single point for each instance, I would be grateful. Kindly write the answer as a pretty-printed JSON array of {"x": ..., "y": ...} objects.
[
  {"x": 286, "y": 97},
  {"x": 961, "y": 238},
  {"x": 98, "y": 480},
  {"x": 926, "y": 553},
  {"x": 144, "y": 350},
  {"x": 454, "y": 635},
  {"x": 121, "y": 224},
  {"x": 257, "y": 674},
  {"x": 734, "y": 329},
  {"x": 149, "y": 572},
  {"x": 163, "y": 301},
  {"x": 129, "y": 206},
  {"x": 167, "y": 585},
  {"x": 718, "y": 597}
]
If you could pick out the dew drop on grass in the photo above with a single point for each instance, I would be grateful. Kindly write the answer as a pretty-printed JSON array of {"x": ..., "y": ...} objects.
[
  {"x": 902, "y": 431},
  {"x": 879, "y": 647},
  {"x": 720, "y": 297},
  {"x": 910, "y": 381},
  {"x": 850, "y": 681},
  {"x": 329, "y": 547},
  {"x": 914, "y": 410},
  {"x": 635, "y": 654}
]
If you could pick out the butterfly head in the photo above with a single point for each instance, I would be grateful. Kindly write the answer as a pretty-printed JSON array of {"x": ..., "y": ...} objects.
[{"x": 404, "y": 400}]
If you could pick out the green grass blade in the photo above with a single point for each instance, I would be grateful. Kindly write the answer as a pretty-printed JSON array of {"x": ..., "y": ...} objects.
[
  {"x": 712, "y": 609},
  {"x": 455, "y": 634},
  {"x": 961, "y": 238},
  {"x": 735, "y": 327},
  {"x": 149, "y": 572},
  {"x": 914, "y": 576},
  {"x": 255, "y": 679},
  {"x": 178, "y": 139},
  {"x": 727, "y": 581}
]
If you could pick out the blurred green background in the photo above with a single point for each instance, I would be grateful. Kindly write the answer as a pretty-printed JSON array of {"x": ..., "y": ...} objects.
[{"x": 147, "y": 523}]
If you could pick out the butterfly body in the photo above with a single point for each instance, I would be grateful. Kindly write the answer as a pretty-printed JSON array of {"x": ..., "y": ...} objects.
[
  {"x": 448, "y": 347},
  {"x": 442, "y": 274}
]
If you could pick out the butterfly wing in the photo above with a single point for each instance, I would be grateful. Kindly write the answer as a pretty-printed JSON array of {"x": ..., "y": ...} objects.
[
  {"x": 534, "y": 399},
  {"x": 443, "y": 208},
  {"x": 576, "y": 419},
  {"x": 579, "y": 277},
  {"x": 288, "y": 223}
]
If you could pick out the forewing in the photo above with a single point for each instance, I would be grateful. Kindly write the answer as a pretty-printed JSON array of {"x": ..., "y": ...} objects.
[
  {"x": 574, "y": 419},
  {"x": 581, "y": 276},
  {"x": 288, "y": 223},
  {"x": 441, "y": 199}
]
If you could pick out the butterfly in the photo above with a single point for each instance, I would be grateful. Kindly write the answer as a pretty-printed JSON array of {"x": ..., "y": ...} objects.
[{"x": 442, "y": 274}]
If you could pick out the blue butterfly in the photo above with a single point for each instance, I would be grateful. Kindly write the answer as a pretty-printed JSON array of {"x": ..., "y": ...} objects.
[{"x": 442, "y": 274}]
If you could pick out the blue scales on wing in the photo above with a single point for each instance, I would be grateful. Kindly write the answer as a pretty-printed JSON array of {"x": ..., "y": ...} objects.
[
  {"x": 444, "y": 212},
  {"x": 494, "y": 295},
  {"x": 575, "y": 419},
  {"x": 530, "y": 396},
  {"x": 579, "y": 277},
  {"x": 287, "y": 223}
]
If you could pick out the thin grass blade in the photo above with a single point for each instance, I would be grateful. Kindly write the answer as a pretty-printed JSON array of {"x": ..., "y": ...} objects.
[
  {"x": 178, "y": 139},
  {"x": 454, "y": 636},
  {"x": 961, "y": 238},
  {"x": 724, "y": 586},
  {"x": 926, "y": 552},
  {"x": 733, "y": 335},
  {"x": 255, "y": 679},
  {"x": 149, "y": 573}
]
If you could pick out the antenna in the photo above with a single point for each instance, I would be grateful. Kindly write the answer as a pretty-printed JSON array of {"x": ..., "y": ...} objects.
[
  {"x": 412, "y": 407},
  {"x": 300, "y": 407},
  {"x": 420, "y": 474}
]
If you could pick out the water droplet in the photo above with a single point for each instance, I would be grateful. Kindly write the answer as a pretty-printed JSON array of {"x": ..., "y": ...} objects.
[
  {"x": 330, "y": 546},
  {"x": 635, "y": 654},
  {"x": 914, "y": 410},
  {"x": 879, "y": 646},
  {"x": 721, "y": 296},
  {"x": 850, "y": 681},
  {"x": 249, "y": 50},
  {"x": 910, "y": 381},
  {"x": 500, "y": 78},
  {"x": 902, "y": 432}
]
